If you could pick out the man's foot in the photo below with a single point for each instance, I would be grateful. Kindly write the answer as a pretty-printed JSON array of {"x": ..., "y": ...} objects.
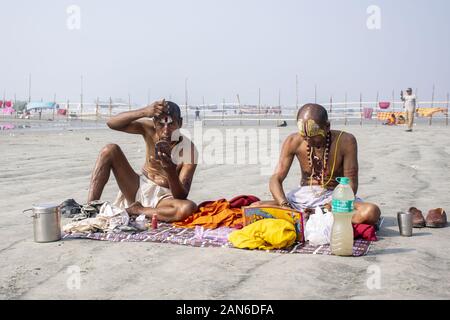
[
  {"x": 418, "y": 218},
  {"x": 135, "y": 209},
  {"x": 436, "y": 218}
]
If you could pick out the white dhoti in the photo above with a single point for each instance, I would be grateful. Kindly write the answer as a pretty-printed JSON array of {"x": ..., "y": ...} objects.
[
  {"x": 311, "y": 197},
  {"x": 149, "y": 194}
]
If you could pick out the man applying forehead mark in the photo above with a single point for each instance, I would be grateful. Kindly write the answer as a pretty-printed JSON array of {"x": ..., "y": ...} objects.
[{"x": 310, "y": 128}]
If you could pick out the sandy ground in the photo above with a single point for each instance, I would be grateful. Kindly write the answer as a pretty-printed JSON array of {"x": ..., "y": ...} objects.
[{"x": 397, "y": 170}]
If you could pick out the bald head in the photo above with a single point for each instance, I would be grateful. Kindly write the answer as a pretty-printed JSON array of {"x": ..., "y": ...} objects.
[{"x": 314, "y": 112}]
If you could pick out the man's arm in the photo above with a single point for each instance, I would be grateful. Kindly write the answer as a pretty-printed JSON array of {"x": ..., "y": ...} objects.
[
  {"x": 282, "y": 169},
  {"x": 351, "y": 168},
  {"x": 128, "y": 121},
  {"x": 179, "y": 184}
]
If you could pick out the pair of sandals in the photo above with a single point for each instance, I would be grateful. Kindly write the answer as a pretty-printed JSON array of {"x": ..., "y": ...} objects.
[
  {"x": 71, "y": 209},
  {"x": 436, "y": 218}
]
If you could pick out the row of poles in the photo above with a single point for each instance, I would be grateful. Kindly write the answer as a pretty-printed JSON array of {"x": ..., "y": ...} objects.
[{"x": 239, "y": 102}]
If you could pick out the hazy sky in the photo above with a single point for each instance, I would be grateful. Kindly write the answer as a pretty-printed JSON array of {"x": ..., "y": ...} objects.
[{"x": 224, "y": 47}]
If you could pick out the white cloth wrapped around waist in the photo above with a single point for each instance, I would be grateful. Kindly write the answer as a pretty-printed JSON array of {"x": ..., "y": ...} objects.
[
  {"x": 149, "y": 194},
  {"x": 311, "y": 197}
]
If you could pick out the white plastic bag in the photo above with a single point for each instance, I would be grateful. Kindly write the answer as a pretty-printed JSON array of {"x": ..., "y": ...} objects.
[{"x": 318, "y": 228}]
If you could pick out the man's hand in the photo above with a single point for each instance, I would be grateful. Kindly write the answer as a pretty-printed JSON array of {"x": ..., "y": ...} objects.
[
  {"x": 286, "y": 204},
  {"x": 157, "y": 108},
  {"x": 164, "y": 158}
]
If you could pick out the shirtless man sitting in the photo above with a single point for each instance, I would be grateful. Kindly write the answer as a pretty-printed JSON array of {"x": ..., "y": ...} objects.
[
  {"x": 163, "y": 186},
  {"x": 324, "y": 155}
]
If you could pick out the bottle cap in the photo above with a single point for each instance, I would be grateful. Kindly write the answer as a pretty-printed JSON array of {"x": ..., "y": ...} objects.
[{"x": 343, "y": 180}]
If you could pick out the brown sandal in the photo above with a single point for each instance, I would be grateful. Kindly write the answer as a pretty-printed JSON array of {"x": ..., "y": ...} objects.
[
  {"x": 418, "y": 218},
  {"x": 436, "y": 218}
]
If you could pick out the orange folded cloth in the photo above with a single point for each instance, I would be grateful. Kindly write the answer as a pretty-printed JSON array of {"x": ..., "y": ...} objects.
[{"x": 214, "y": 215}]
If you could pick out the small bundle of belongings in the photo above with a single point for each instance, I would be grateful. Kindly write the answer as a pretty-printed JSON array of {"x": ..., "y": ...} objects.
[{"x": 99, "y": 216}]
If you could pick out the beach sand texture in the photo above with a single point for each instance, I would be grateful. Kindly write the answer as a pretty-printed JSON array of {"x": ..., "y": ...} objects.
[{"x": 397, "y": 170}]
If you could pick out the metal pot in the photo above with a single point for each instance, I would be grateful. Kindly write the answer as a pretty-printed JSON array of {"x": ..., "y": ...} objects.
[{"x": 46, "y": 222}]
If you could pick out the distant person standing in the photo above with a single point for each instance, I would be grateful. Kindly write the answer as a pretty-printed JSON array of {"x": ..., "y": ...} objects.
[
  {"x": 410, "y": 107},
  {"x": 197, "y": 113}
]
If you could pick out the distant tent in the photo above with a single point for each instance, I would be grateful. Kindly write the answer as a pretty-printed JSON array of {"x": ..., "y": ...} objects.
[
  {"x": 42, "y": 105},
  {"x": 20, "y": 105}
]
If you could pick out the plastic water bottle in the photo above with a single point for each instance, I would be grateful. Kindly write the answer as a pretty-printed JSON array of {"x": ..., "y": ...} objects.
[{"x": 342, "y": 209}]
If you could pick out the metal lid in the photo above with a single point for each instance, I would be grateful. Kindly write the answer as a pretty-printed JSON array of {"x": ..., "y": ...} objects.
[{"x": 45, "y": 208}]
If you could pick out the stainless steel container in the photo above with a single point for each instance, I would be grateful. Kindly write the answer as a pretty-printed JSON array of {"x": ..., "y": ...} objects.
[
  {"x": 46, "y": 222},
  {"x": 405, "y": 223}
]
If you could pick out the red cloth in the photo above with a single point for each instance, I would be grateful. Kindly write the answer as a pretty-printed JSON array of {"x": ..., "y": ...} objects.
[
  {"x": 364, "y": 231},
  {"x": 243, "y": 201},
  {"x": 236, "y": 202}
]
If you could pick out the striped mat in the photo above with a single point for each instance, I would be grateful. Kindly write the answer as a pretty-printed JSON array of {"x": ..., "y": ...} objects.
[{"x": 167, "y": 233}]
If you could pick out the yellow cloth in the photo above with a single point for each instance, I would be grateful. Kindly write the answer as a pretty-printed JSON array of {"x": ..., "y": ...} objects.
[
  {"x": 428, "y": 112},
  {"x": 266, "y": 234}
]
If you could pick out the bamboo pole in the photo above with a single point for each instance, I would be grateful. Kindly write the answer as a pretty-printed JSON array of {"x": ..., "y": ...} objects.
[
  {"x": 186, "y": 100},
  {"x": 68, "y": 109},
  {"x": 360, "y": 109},
  {"x": 129, "y": 102},
  {"x": 345, "y": 110},
  {"x": 393, "y": 100},
  {"x": 331, "y": 106},
  {"x": 54, "y": 101},
  {"x": 15, "y": 102},
  {"x": 204, "y": 106},
  {"x": 110, "y": 107},
  {"x": 29, "y": 88},
  {"x": 315, "y": 93},
  {"x": 432, "y": 105},
  {"x": 279, "y": 106},
  {"x": 4, "y": 103},
  {"x": 96, "y": 110},
  {"x": 223, "y": 111},
  {"x": 81, "y": 100},
  {"x": 377, "y": 105},
  {"x": 296, "y": 92},
  {"x": 446, "y": 115},
  {"x": 259, "y": 106},
  {"x": 241, "y": 113}
]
